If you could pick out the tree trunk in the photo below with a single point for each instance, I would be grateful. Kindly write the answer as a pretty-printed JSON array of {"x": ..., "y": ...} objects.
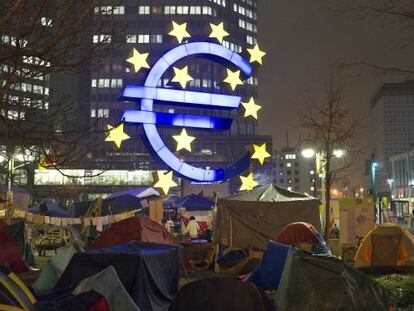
[{"x": 327, "y": 181}]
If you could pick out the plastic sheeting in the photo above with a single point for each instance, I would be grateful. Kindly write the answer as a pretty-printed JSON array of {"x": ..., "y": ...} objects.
[
  {"x": 108, "y": 285},
  {"x": 311, "y": 282},
  {"x": 148, "y": 271}
]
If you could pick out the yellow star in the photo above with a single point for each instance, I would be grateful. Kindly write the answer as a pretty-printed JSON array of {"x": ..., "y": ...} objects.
[
  {"x": 256, "y": 55},
  {"x": 41, "y": 166},
  {"x": 260, "y": 153},
  {"x": 184, "y": 140},
  {"x": 138, "y": 60},
  {"x": 251, "y": 108},
  {"x": 248, "y": 182},
  {"x": 164, "y": 181},
  {"x": 116, "y": 134},
  {"x": 233, "y": 78},
  {"x": 179, "y": 31},
  {"x": 218, "y": 32},
  {"x": 182, "y": 76}
]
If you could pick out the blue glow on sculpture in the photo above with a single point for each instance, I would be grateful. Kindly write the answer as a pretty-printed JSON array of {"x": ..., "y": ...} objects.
[{"x": 149, "y": 119}]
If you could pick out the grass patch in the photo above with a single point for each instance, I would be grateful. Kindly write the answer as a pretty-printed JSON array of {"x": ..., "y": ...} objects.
[{"x": 400, "y": 288}]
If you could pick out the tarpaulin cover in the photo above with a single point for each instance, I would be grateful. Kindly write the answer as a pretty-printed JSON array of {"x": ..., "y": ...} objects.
[
  {"x": 48, "y": 207},
  {"x": 54, "y": 268},
  {"x": 219, "y": 294},
  {"x": 140, "y": 193},
  {"x": 302, "y": 232},
  {"x": 195, "y": 202},
  {"x": 268, "y": 272},
  {"x": 312, "y": 282},
  {"x": 110, "y": 286},
  {"x": 16, "y": 232},
  {"x": 148, "y": 271},
  {"x": 137, "y": 228},
  {"x": 10, "y": 255},
  {"x": 251, "y": 219}
]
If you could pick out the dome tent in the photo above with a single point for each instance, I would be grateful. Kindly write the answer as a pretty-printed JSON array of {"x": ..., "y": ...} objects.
[{"x": 386, "y": 247}]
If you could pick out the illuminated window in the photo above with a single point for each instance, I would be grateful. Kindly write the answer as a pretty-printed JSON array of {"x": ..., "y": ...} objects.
[
  {"x": 219, "y": 2},
  {"x": 143, "y": 10},
  {"x": 93, "y": 113},
  {"x": 102, "y": 38},
  {"x": 311, "y": 172},
  {"x": 288, "y": 164},
  {"x": 251, "y": 40},
  {"x": 45, "y": 21},
  {"x": 110, "y": 10}
]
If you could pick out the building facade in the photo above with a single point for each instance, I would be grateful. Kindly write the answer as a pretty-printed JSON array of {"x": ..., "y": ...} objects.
[
  {"x": 145, "y": 26},
  {"x": 391, "y": 127},
  {"x": 293, "y": 171}
]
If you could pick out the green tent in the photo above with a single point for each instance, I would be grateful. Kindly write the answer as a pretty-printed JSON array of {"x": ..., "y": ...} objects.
[
  {"x": 251, "y": 218},
  {"x": 311, "y": 282},
  {"x": 52, "y": 271}
]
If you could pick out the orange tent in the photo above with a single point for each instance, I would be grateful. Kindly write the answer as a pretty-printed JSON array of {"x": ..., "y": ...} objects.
[{"x": 386, "y": 247}]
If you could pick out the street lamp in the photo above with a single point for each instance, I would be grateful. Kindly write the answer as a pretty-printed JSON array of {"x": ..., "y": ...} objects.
[{"x": 374, "y": 166}]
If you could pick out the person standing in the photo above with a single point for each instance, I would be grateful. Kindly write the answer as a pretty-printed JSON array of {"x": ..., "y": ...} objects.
[{"x": 192, "y": 228}]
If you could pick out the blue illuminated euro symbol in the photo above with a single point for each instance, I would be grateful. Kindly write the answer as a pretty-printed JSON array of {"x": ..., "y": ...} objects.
[{"x": 149, "y": 118}]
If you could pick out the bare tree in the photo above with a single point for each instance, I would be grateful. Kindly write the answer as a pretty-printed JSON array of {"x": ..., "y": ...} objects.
[
  {"x": 395, "y": 13},
  {"x": 40, "y": 40},
  {"x": 329, "y": 127}
]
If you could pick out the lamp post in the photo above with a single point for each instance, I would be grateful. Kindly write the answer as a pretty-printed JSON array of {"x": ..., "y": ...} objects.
[
  {"x": 320, "y": 159},
  {"x": 374, "y": 166}
]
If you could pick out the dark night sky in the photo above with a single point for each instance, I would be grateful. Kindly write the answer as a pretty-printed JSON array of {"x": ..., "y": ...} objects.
[{"x": 302, "y": 38}]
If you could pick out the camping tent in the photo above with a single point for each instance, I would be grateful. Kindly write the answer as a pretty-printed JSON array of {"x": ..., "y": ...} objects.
[
  {"x": 48, "y": 207},
  {"x": 386, "y": 247},
  {"x": 195, "y": 202},
  {"x": 304, "y": 235},
  {"x": 148, "y": 271},
  {"x": 138, "y": 228},
  {"x": 324, "y": 283},
  {"x": 251, "y": 218}
]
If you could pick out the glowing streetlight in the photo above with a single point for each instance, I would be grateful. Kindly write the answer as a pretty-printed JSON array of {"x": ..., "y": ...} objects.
[
  {"x": 308, "y": 153},
  {"x": 339, "y": 153}
]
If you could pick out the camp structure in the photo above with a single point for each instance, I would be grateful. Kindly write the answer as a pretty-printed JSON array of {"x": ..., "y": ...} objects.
[
  {"x": 138, "y": 228},
  {"x": 15, "y": 252},
  {"x": 324, "y": 283},
  {"x": 216, "y": 294},
  {"x": 251, "y": 218},
  {"x": 149, "y": 271},
  {"x": 387, "y": 247},
  {"x": 198, "y": 206},
  {"x": 49, "y": 208},
  {"x": 304, "y": 236}
]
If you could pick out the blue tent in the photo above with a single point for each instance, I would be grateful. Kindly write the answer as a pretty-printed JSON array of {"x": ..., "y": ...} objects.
[
  {"x": 195, "y": 202},
  {"x": 268, "y": 272},
  {"x": 49, "y": 208}
]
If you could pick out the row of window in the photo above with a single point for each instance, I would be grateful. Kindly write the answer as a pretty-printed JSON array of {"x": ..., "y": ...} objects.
[
  {"x": 144, "y": 38},
  {"x": 232, "y": 46},
  {"x": 100, "y": 113},
  {"x": 10, "y": 40},
  {"x": 219, "y": 2},
  {"x": 13, "y": 114},
  {"x": 22, "y": 72},
  {"x": 106, "y": 83},
  {"x": 28, "y": 102},
  {"x": 250, "y": 2},
  {"x": 32, "y": 88},
  {"x": 184, "y": 10},
  {"x": 102, "y": 38},
  {"x": 245, "y": 12},
  {"x": 246, "y": 25},
  {"x": 291, "y": 156},
  {"x": 110, "y": 10}
]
